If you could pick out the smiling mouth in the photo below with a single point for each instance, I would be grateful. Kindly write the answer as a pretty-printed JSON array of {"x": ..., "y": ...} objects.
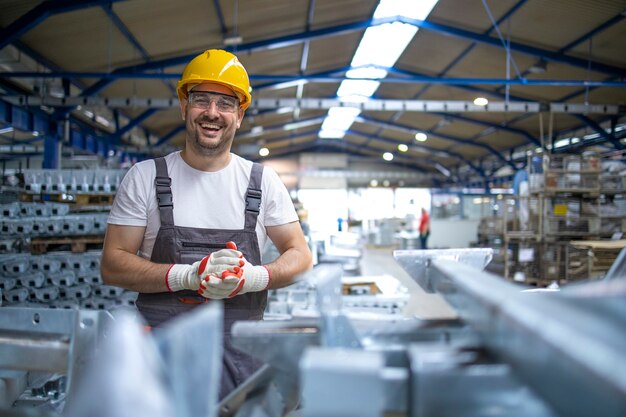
[{"x": 210, "y": 126}]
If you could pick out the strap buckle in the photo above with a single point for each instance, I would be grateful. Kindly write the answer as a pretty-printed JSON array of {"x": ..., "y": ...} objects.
[
  {"x": 165, "y": 199},
  {"x": 163, "y": 191},
  {"x": 163, "y": 181},
  {"x": 253, "y": 200}
]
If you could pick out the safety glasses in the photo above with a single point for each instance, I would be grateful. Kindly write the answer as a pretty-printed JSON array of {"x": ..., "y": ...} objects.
[{"x": 203, "y": 99}]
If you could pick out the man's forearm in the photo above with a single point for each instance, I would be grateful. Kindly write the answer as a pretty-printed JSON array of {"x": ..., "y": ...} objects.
[
  {"x": 287, "y": 266},
  {"x": 133, "y": 272}
]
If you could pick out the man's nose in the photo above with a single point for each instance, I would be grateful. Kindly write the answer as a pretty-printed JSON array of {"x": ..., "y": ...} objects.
[{"x": 212, "y": 108}]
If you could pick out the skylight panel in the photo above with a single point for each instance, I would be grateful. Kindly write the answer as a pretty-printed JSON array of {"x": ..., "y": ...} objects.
[{"x": 380, "y": 48}]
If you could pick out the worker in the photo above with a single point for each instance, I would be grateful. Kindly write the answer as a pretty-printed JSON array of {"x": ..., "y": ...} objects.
[
  {"x": 173, "y": 216},
  {"x": 424, "y": 229}
]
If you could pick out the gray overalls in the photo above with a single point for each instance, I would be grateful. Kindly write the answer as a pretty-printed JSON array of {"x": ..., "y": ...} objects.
[{"x": 176, "y": 244}]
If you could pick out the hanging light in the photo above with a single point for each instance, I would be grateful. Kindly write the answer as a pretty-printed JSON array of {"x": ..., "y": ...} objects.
[
  {"x": 481, "y": 101},
  {"x": 421, "y": 137}
]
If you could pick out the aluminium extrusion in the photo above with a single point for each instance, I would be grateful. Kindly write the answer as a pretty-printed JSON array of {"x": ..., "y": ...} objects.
[{"x": 554, "y": 343}]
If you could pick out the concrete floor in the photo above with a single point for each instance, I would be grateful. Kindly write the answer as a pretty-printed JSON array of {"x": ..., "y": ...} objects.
[{"x": 379, "y": 261}]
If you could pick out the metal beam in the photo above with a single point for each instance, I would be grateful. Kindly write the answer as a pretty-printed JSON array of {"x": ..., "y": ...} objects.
[
  {"x": 614, "y": 20},
  {"x": 502, "y": 127},
  {"x": 410, "y": 129},
  {"x": 293, "y": 79},
  {"x": 373, "y": 105},
  {"x": 41, "y": 12},
  {"x": 432, "y": 152},
  {"x": 514, "y": 46},
  {"x": 132, "y": 124},
  {"x": 220, "y": 17},
  {"x": 598, "y": 129}
]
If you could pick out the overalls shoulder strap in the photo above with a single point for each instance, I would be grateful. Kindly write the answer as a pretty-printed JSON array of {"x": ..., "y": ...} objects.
[
  {"x": 162, "y": 183},
  {"x": 253, "y": 196}
]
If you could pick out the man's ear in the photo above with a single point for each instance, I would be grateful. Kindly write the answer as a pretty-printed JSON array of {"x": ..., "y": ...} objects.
[
  {"x": 242, "y": 112},
  {"x": 183, "y": 108}
]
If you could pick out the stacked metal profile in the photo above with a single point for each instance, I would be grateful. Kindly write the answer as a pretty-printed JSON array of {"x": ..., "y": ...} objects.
[
  {"x": 510, "y": 352},
  {"x": 59, "y": 278}
]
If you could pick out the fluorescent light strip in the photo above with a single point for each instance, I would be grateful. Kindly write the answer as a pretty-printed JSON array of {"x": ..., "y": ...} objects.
[{"x": 374, "y": 51}]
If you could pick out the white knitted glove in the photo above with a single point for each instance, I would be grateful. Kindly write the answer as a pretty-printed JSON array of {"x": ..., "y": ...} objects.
[
  {"x": 218, "y": 288},
  {"x": 187, "y": 277},
  {"x": 254, "y": 278}
]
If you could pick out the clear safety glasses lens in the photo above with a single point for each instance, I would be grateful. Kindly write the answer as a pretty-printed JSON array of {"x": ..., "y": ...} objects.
[{"x": 225, "y": 103}]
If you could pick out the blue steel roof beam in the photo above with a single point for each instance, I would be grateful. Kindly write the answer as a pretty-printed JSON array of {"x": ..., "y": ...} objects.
[
  {"x": 280, "y": 42},
  {"x": 40, "y": 13},
  {"x": 166, "y": 138},
  {"x": 132, "y": 124},
  {"x": 220, "y": 17},
  {"x": 328, "y": 79},
  {"x": 471, "y": 120},
  {"x": 451, "y": 138},
  {"x": 588, "y": 35},
  {"x": 360, "y": 149},
  {"x": 352, "y": 149},
  {"x": 514, "y": 46},
  {"x": 452, "y": 155},
  {"x": 467, "y": 50},
  {"x": 503, "y": 127},
  {"x": 608, "y": 137},
  {"x": 283, "y": 84},
  {"x": 297, "y": 38},
  {"x": 472, "y": 89},
  {"x": 592, "y": 33},
  {"x": 108, "y": 9}
]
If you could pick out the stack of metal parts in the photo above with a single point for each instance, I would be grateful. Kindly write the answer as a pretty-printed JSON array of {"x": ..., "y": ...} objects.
[
  {"x": 511, "y": 352},
  {"x": 382, "y": 297},
  {"x": 100, "y": 365},
  {"x": 52, "y": 181},
  {"x": 42, "y": 354},
  {"x": 21, "y": 221},
  {"x": 58, "y": 280}
]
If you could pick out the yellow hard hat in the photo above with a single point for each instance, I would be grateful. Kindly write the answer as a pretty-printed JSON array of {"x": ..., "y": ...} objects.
[{"x": 217, "y": 66}]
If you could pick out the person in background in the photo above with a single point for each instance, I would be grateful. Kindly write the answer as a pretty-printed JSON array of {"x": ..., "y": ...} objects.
[
  {"x": 188, "y": 228},
  {"x": 424, "y": 229}
]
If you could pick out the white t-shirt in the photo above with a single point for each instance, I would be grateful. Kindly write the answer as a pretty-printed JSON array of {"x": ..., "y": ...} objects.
[{"x": 207, "y": 200}]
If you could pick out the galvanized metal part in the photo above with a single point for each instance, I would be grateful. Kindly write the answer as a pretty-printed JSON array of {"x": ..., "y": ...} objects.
[{"x": 417, "y": 262}]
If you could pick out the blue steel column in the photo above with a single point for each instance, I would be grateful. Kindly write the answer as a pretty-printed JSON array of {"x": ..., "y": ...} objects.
[{"x": 52, "y": 151}]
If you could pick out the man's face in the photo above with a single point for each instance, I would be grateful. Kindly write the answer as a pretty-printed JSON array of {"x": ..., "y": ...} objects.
[{"x": 212, "y": 116}]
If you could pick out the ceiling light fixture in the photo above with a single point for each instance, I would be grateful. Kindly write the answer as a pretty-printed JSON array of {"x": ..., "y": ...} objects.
[
  {"x": 421, "y": 137},
  {"x": 264, "y": 151},
  {"x": 481, "y": 101},
  {"x": 403, "y": 147},
  {"x": 538, "y": 67},
  {"x": 388, "y": 156}
]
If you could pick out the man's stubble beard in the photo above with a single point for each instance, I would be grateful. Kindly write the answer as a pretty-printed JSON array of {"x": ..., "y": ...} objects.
[{"x": 223, "y": 146}]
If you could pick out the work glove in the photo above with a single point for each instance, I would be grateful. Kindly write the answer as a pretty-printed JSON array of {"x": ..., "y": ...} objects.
[
  {"x": 217, "y": 287},
  {"x": 251, "y": 278},
  {"x": 187, "y": 277}
]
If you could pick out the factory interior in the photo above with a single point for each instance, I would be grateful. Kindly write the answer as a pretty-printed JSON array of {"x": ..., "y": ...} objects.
[{"x": 457, "y": 169}]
